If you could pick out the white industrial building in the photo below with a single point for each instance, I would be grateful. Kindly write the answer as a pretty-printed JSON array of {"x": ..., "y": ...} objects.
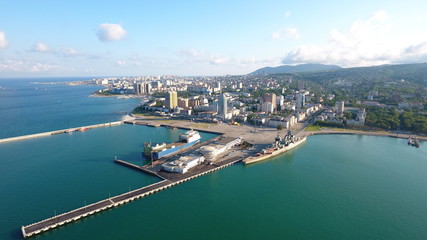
[
  {"x": 183, "y": 164},
  {"x": 214, "y": 149}
]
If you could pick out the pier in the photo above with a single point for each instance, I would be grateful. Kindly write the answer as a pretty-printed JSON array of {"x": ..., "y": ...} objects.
[
  {"x": 169, "y": 180},
  {"x": 45, "y": 134},
  {"x": 139, "y": 168}
]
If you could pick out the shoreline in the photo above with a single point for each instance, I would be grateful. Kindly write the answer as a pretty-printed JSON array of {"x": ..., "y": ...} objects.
[
  {"x": 359, "y": 132},
  {"x": 261, "y": 137}
]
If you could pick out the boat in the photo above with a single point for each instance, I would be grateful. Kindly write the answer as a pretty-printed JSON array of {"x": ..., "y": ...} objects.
[
  {"x": 414, "y": 142},
  {"x": 279, "y": 146},
  {"x": 161, "y": 150}
]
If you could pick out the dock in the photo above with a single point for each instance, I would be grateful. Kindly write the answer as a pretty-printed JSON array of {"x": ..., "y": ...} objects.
[
  {"x": 139, "y": 168},
  {"x": 169, "y": 180},
  {"x": 50, "y": 133}
]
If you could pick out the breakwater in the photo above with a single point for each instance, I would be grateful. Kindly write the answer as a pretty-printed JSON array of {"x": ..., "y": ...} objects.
[
  {"x": 74, "y": 215},
  {"x": 138, "y": 122},
  {"x": 45, "y": 134}
]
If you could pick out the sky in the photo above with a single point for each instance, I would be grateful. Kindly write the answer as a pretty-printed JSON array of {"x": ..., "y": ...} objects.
[{"x": 46, "y": 38}]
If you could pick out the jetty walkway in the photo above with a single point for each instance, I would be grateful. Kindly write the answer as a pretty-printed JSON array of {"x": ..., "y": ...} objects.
[
  {"x": 169, "y": 180},
  {"x": 45, "y": 134}
]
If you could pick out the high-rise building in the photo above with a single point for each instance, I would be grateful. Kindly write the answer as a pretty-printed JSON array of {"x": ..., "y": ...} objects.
[
  {"x": 270, "y": 98},
  {"x": 267, "y": 107},
  {"x": 301, "y": 85},
  {"x": 147, "y": 87},
  {"x": 171, "y": 100},
  {"x": 140, "y": 88},
  {"x": 340, "y": 106},
  {"x": 222, "y": 105},
  {"x": 156, "y": 84},
  {"x": 280, "y": 100},
  {"x": 183, "y": 103},
  {"x": 193, "y": 102},
  {"x": 300, "y": 100},
  {"x": 137, "y": 88}
]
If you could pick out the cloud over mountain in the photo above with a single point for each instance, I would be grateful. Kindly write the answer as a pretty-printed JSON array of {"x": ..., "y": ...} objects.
[{"x": 366, "y": 42}]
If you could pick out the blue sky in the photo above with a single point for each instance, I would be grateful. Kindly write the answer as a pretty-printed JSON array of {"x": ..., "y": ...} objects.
[{"x": 114, "y": 38}]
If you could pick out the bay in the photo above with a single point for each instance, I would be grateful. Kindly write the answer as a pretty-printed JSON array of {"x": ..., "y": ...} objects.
[
  {"x": 27, "y": 107},
  {"x": 332, "y": 187}
]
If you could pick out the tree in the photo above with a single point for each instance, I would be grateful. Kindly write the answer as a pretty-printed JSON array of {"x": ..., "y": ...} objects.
[{"x": 280, "y": 127}]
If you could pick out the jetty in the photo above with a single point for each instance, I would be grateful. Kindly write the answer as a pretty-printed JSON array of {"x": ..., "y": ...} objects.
[
  {"x": 168, "y": 180},
  {"x": 50, "y": 133}
]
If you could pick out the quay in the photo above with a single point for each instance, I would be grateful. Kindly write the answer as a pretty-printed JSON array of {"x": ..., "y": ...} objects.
[
  {"x": 139, "y": 168},
  {"x": 50, "y": 133},
  {"x": 156, "y": 124},
  {"x": 169, "y": 180}
]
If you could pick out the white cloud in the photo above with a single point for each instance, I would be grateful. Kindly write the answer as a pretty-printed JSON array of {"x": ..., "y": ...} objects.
[
  {"x": 249, "y": 60},
  {"x": 365, "y": 42},
  {"x": 218, "y": 59},
  {"x": 108, "y": 32},
  {"x": 3, "y": 41},
  {"x": 25, "y": 66},
  {"x": 292, "y": 32},
  {"x": 69, "y": 52},
  {"x": 287, "y": 14},
  {"x": 121, "y": 63},
  {"x": 276, "y": 35},
  {"x": 193, "y": 55},
  {"x": 201, "y": 56},
  {"x": 41, "y": 47},
  {"x": 261, "y": 62}
]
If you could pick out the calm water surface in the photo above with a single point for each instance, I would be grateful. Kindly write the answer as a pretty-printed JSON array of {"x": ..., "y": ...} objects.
[
  {"x": 332, "y": 187},
  {"x": 27, "y": 108}
]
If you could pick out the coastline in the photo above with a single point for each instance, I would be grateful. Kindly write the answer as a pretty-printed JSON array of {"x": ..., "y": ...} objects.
[
  {"x": 114, "y": 95},
  {"x": 263, "y": 132},
  {"x": 358, "y": 132}
]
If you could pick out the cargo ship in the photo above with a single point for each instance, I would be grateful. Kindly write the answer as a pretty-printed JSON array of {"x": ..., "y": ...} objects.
[
  {"x": 158, "y": 151},
  {"x": 279, "y": 146}
]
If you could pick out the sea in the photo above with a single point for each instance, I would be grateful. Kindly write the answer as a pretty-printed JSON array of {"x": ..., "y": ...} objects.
[{"x": 331, "y": 187}]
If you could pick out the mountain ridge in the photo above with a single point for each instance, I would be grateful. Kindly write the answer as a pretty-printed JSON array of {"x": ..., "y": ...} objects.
[{"x": 309, "y": 67}]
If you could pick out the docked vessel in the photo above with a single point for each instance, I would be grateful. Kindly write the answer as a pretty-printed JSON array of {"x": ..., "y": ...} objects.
[
  {"x": 413, "y": 142},
  {"x": 157, "y": 151},
  {"x": 279, "y": 146}
]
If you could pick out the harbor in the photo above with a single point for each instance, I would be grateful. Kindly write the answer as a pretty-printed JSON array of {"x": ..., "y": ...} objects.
[
  {"x": 170, "y": 171},
  {"x": 169, "y": 180}
]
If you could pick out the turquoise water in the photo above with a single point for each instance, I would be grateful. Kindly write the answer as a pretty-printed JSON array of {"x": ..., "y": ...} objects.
[
  {"x": 332, "y": 187},
  {"x": 27, "y": 110},
  {"x": 44, "y": 176}
]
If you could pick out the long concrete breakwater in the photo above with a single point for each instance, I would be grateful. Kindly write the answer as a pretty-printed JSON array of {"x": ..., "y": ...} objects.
[
  {"x": 50, "y": 133},
  {"x": 74, "y": 215}
]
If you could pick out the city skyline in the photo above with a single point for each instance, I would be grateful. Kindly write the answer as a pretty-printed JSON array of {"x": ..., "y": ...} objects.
[{"x": 50, "y": 38}]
